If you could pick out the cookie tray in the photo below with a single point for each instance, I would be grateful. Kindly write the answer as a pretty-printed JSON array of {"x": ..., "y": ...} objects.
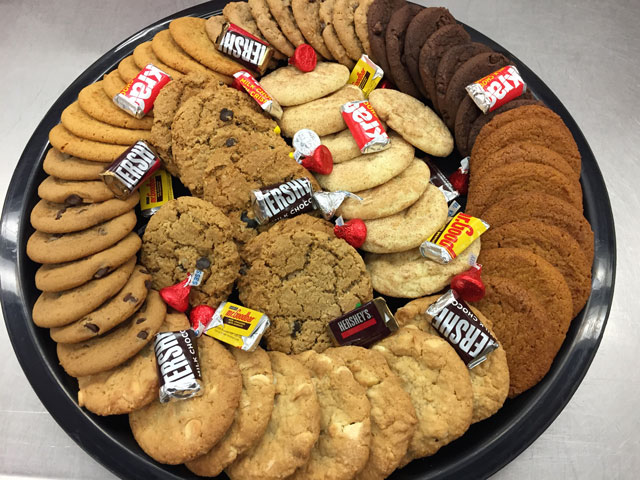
[{"x": 484, "y": 449}]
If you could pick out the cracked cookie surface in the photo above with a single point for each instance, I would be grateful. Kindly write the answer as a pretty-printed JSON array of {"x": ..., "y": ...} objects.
[
  {"x": 187, "y": 231},
  {"x": 303, "y": 280}
]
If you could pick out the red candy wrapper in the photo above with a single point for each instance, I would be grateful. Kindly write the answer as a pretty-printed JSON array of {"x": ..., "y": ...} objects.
[
  {"x": 129, "y": 170},
  {"x": 365, "y": 126},
  {"x": 310, "y": 154},
  {"x": 200, "y": 318},
  {"x": 354, "y": 232},
  {"x": 460, "y": 178},
  {"x": 244, "y": 81},
  {"x": 177, "y": 296},
  {"x": 468, "y": 285},
  {"x": 137, "y": 97},
  {"x": 496, "y": 89},
  {"x": 244, "y": 48},
  {"x": 320, "y": 161},
  {"x": 304, "y": 58}
]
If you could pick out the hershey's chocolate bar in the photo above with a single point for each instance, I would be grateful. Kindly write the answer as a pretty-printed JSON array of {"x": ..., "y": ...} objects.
[
  {"x": 464, "y": 331},
  {"x": 243, "y": 47},
  {"x": 178, "y": 365},
  {"x": 130, "y": 169},
  {"x": 283, "y": 200},
  {"x": 365, "y": 325}
]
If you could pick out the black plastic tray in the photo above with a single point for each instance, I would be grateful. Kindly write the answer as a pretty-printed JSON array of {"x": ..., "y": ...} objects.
[{"x": 483, "y": 450}]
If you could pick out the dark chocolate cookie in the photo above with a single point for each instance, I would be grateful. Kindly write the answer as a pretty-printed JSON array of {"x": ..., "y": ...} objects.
[
  {"x": 394, "y": 40},
  {"x": 442, "y": 40},
  {"x": 423, "y": 25},
  {"x": 473, "y": 69},
  {"x": 451, "y": 60},
  {"x": 378, "y": 18},
  {"x": 469, "y": 117}
]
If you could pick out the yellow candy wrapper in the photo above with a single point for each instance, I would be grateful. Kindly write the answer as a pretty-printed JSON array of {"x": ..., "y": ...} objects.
[
  {"x": 155, "y": 192},
  {"x": 238, "y": 326},
  {"x": 453, "y": 239},
  {"x": 366, "y": 75}
]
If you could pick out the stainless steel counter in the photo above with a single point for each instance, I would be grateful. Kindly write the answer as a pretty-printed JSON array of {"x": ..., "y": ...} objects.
[{"x": 586, "y": 52}]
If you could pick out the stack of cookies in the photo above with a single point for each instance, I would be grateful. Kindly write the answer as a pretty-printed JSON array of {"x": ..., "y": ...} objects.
[{"x": 537, "y": 256}]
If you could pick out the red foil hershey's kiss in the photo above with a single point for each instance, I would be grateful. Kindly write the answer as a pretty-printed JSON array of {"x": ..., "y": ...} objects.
[
  {"x": 304, "y": 58},
  {"x": 177, "y": 296},
  {"x": 468, "y": 284},
  {"x": 460, "y": 181},
  {"x": 200, "y": 318},
  {"x": 320, "y": 161},
  {"x": 354, "y": 232}
]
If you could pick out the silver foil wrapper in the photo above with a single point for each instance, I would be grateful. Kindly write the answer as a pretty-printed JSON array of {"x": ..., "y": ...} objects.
[
  {"x": 178, "y": 365},
  {"x": 305, "y": 142},
  {"x": 329, "y": 202}
]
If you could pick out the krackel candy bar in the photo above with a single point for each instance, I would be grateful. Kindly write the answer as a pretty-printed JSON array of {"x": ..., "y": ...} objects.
[
  {"x": 138, "y": 96},
  {"x": 464, "y": 331},
  {"x": 295, "y": 197},
  {"x": 497, "y": 88}
]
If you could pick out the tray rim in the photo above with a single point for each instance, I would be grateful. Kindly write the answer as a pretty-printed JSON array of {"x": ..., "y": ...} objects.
[{"x": 552, "y": 393}]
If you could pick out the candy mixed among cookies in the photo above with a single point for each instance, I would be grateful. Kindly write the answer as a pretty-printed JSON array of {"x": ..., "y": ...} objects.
[{"x": 270, "y": 121}]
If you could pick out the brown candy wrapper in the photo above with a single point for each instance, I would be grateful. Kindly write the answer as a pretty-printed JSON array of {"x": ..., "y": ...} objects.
[
  {"x": 365, "y": 325},
  {"x": 464, "y": 331},
  {"x": 244, "y": 48},
  {"x": 178, "y": 365},
  {"x": 130, "y": 169}
]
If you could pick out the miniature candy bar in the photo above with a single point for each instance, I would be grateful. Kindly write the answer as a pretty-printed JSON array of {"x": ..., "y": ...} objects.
[
  {"x": 154, "y": 192},
  {"x": 468, "y": 285},
  {"x": 244, "y": 81},
  {"x": 365, "y": 325},
  {"x": 366, "y": 75},
  {"x": 295, "y": 197},
  {"x": 304, "y": 58},
  {"x": 178, "y": 365},
  {"x": 238, "y": 326},
  {"x": 243, "y": 47},
  {"x": 177, "y": 296},
  {"x": 457, "y": 324},
  {"x": 130, "y": 169},
  {"x": 137, "y": 97},
  {"x": 453, "y": 239},
  {"x": 460, "y": 178},
  {"x": 497, "y": 88},
  {"x": 440, "y": 180},
  {"x": 365, "y": 126},
  {"x": 354, "y": 232}
]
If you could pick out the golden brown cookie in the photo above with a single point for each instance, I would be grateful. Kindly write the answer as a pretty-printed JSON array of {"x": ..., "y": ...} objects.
[
  {"x": 269, "y": 28},
  {"x": 292, "y": 431},
  {"x": 439, "y": 386},
  {"x": 410, "y": 275},
  {"x": 143, "y": 55},
  {"x": 408, "y": 228},
  {"x": 343, "y": 13},
  {"x": 112, "y": 84},
  {"x": 283, "y": 14},
  {"x": 70, "y": 192},
  {"x": 549, "y": 210},
  {"x": 517, "y": 179},
  {"x": 554, "y": 245},
  {"x": 56, "y": 277},
  {"x": 393, "y": 417},
  {"x": 303, "y": 280},
  {"x": 104, "y": 353},
  {"x": 307, "y": 16},
  {"x": 489, "y": 380},
  {"x": 399, "y": 193},
  {"x": 66, "y": 167},
  {"x": 177, "y": 432},
  {"x": 187, "y": 232},
  {"x": 205, "y": 123},
  {"x": 529, "y": 336},
  {"x": 252, "y": 416},
  {"x": 342, "y": 448},
  {"x": 55, "y": 309},
  {"x": 94, "y": 101},
  {"x": 110, "y": 314},
  {"x": 342, "y": 146},
  {"x": 131, "y": 385},
  {"x": 330, "y": 36},
  {"x": 127, "y": 69},
  {"x": 66, "y": 142},
  {"x": 323, "y": 116}
]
